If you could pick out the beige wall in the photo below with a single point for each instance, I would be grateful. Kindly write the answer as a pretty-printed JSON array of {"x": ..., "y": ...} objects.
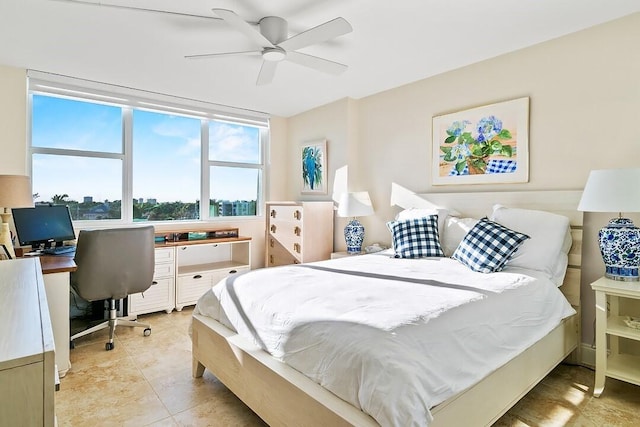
[
  {"x": 13, "y": 120},
  {"x": 584, "y": 112}
]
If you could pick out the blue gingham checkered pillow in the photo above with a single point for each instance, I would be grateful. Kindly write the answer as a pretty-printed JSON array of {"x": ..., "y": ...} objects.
[
  {"x": 416, "y": 238},
  {"x": 488, "y": 246}
]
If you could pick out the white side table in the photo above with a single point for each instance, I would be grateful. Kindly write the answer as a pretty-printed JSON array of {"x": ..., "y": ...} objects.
[
  {"x": 618, "y": 365},
  {"x": 343, "y": 254}
]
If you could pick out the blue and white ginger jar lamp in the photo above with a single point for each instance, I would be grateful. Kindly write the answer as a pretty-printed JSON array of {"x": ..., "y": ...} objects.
[
  {"x": 616, "y": 190},
  {"x": 354, "y": 205}
]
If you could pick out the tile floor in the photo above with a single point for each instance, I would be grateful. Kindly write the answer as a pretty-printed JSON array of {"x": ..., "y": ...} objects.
[{"x": 146, "y": 381}]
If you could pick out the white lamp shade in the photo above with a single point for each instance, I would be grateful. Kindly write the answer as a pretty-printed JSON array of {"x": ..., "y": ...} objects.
[
  {"x": 611, "y": 190},
  {"x": 355, "y": 204}
]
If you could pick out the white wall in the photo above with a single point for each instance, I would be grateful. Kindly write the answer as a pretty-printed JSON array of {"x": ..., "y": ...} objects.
[
  {"x": 13, "y": 120},
  {"x": 584, "y": 112}
]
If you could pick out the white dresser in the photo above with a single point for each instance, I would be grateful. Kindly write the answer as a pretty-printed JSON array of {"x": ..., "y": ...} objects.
[
  {"x": 298, "y": 232},
  {"x": 27, "y": 356}
]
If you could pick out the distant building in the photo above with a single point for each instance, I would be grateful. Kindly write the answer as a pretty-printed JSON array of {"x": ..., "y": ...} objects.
[
  {"x": 97, "y": 212},
  {"x": 87, "y": 199},
  {"x": 236, "y": 208},
  {"x": 152, "y": 201}
]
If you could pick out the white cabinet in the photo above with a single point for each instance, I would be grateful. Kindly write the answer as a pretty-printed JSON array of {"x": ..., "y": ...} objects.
[
  {"x": 160, "y": 296},
  {"x": 616, "y": 364},
  {"x": 27, "y": 359},
  {"x": 298, "y": 232},
  {"x": 185, "y": 271},
  {"x": 200, "y": 266}
]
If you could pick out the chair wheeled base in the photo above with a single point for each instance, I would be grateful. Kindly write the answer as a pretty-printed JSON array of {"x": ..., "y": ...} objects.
[{"x": 111, "y": 324}]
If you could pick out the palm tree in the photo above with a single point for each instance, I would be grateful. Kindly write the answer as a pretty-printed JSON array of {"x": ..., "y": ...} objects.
[{"x": 59, "y": 199}]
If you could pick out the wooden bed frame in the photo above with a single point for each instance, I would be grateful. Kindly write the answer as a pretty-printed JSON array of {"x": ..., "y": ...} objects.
[{"x": 282, "y": 396}]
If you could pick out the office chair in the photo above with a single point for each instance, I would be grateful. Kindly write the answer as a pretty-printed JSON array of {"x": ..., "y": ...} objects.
[{"x": 112, "y": 264}]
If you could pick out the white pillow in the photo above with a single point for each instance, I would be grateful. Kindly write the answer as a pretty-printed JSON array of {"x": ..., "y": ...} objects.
[
  {"x": 454, "y": 231},
  {"x": 415, "y": 213},
  {"x": 548, "y": 239}
]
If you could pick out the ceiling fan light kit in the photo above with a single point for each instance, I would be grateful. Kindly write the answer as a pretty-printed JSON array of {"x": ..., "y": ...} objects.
[
  {"x": 274, "y": 54},
  {"x": 273, "y": 43}
]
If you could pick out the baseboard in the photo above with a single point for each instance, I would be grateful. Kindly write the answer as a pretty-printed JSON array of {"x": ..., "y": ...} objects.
[{"x": 588, "y": 355}]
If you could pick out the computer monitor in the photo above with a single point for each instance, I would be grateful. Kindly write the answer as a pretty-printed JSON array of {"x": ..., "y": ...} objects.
[{"x": 48, "y": 225}]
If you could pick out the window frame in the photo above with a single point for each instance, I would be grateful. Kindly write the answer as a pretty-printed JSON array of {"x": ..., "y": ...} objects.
[{"x": 129, "y": 100}]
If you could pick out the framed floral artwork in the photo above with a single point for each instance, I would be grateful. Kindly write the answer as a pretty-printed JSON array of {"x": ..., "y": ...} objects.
[
  {"x": 482, "y": 145},
  {"x": 313, "y": 157}
]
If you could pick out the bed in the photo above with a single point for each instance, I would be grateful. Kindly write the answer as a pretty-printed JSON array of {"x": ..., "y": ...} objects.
[{"x": 282, "y": 395}]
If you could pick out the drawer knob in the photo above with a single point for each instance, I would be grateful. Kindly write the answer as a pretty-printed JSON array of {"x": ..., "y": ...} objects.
[
  {"x": 154, "y": 283},
  {"x": 273, "y": 213},
  {"x": 297, "y": 215},
  {"x": 270, "y": 259},
  {"x": 273, "y": 228},
  {"x": 271, "y": 242},
  {"x": 197, "y": 276},
  {"x": 297, "y": 231},
  {"x": 296, "y": 247},
  {"x": 233, "y": 271}
]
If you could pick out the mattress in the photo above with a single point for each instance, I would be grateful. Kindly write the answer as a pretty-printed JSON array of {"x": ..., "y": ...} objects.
[{"x": 393, "y": 337}]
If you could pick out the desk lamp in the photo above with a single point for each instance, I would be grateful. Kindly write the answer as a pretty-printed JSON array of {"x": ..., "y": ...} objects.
[
  {"x": 15, "y": 192},
  {"x": 353, "y": 205},
  {"x": 616, "y": 190}
]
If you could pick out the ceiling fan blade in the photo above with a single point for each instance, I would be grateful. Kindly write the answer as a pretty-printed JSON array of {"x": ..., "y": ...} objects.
[
  {"x": 213, "y": 55},
  {"x": 316, "y": 63},
  {"x": 323, "y": 32},
  {"x": 143, "y": 9},
  {"x": 267, "y": 71},
  {"x": 239, "y": 24}
]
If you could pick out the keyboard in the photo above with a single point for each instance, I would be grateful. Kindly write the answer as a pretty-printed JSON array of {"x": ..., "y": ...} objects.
[{"x": 60, "y": 250}]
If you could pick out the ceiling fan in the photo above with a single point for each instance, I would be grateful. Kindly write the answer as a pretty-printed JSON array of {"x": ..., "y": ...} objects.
[{"x": 274, "y": 45}]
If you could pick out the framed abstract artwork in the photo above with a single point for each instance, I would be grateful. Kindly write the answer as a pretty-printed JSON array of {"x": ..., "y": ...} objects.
[
  {"x": 482, "y": 145},
  {"x": 313, "y": 158}
]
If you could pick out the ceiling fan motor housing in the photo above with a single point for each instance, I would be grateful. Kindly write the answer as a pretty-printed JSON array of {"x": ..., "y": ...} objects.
[{"x": 274, "y": 29}]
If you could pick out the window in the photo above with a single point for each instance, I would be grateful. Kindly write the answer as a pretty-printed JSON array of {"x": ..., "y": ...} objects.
[
  {"x": 110, "y": 157},
  {"x": 166, "y": 167},
  {"x": 234, "y": 156},
  {"x": 77, "y": 156}
]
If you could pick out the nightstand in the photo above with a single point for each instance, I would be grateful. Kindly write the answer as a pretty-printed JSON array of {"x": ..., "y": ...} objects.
[
  {"x": 343, "y": 254},
  {"x": 617, "y": 365}
]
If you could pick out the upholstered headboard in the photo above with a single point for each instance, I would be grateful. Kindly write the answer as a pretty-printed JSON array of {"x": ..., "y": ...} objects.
[{"x": 480, "y": 204}]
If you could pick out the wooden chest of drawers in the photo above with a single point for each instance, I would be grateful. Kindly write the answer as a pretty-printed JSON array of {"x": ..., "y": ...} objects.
[{"x": 298, "y": 232}]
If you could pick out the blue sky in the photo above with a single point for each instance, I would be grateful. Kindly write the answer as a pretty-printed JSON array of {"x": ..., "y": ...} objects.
[{"x": 166, "y": 156}]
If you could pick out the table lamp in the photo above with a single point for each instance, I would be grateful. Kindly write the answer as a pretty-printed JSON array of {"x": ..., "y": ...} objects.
[
  {"x": 616, "y": 190},
  {"x": 353, "y": 205},
  {"x": 15, "y": 192}
]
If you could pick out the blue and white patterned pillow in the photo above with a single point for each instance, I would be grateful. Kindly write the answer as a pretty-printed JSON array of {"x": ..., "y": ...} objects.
[
  {"x": 488, "y": 246},
  {"x": 416, "y": 238}
]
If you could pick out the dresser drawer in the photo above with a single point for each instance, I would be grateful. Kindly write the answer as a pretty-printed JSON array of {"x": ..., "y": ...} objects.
[
  {"x": 191, "y": 287},
  {"x": 164, "y": 270},
  {"x": 279, "y": 255},
  {"x": 285, "y": 213},
  {"x": 157, "y": 298},
  {"x": 165, "y": 255}
]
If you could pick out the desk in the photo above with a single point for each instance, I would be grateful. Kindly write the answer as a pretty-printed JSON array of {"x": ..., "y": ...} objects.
[{"x": 56, "y": 273}]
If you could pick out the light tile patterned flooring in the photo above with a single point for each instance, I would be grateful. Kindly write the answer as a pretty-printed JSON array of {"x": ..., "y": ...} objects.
[{"x": 146, "y": 381}]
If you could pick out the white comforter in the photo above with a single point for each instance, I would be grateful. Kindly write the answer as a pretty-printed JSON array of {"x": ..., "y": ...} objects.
[{"x": 394, "y": 337}]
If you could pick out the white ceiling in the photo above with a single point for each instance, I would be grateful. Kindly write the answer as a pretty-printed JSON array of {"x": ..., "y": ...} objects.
[{"x": 392, "y": 43}]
